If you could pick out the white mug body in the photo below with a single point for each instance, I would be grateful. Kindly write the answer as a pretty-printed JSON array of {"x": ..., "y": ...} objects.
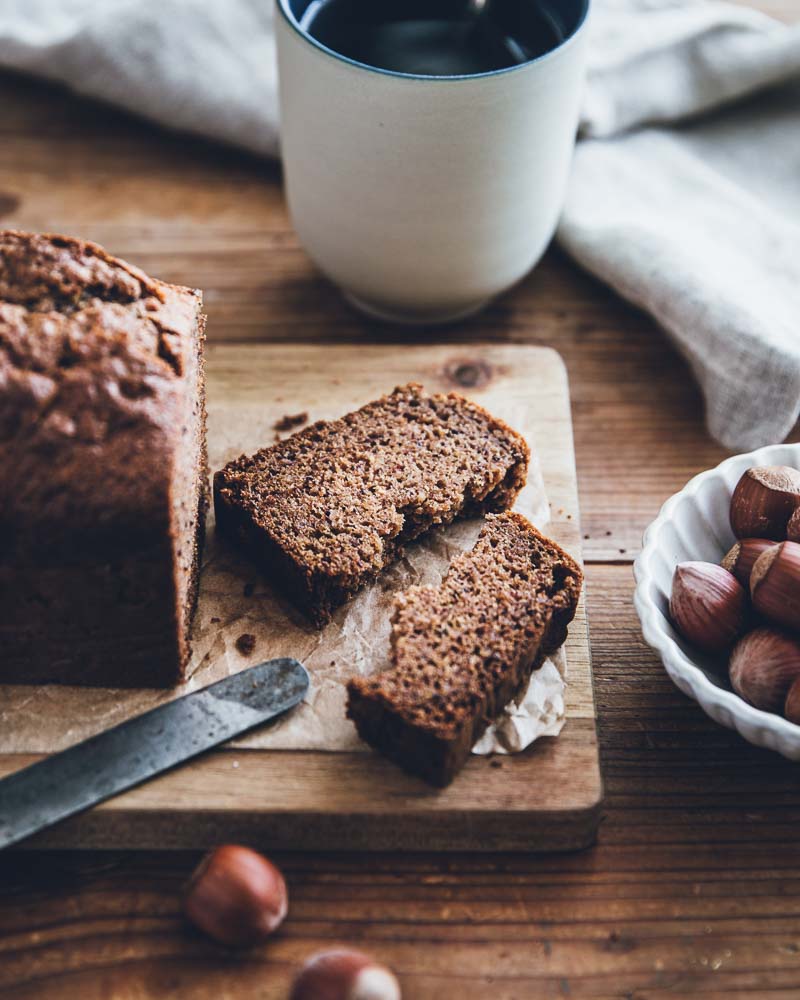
[{"x": 424, "y": 197}]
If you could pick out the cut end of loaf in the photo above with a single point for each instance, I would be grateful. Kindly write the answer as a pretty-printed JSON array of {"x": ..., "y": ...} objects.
[{"x": 104, "y": 479}]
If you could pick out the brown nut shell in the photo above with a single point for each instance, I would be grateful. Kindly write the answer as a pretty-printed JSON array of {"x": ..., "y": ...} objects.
[
  {"x": 793, "y": 527},
  {"x": 764, "y": 500},
  {"x": 344, "y": 974},
  {"x": 763, "y": 667},
  {"x": 742, "y": 556},
  {"x": 708, "y": 605},
  {"x": 236, "y": 896},
  {"x": 792, "y": 707},
  {"x": 775, "y": 584}
]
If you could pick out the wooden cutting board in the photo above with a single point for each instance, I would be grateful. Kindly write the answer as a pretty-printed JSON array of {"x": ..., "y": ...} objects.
[{"x": 546, "y": 798}]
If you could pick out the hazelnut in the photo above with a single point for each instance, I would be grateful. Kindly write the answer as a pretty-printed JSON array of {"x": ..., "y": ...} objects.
[
  {"x": 344, "y": 974},
  {"x": 764, "y": 500},
  {"x": 236, "y": 896},
  {"x": 792, "y": 707},
  {"x": 793, "y": 527},
  {"x": 775, "y": 584},
  {"x": 764, "y": 665},
  {"x": 708, "y": 605},
  {"x": 741, "y": 557}
]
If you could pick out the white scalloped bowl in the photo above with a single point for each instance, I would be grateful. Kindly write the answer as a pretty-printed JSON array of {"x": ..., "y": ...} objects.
[{"x": 693, "y": 524}]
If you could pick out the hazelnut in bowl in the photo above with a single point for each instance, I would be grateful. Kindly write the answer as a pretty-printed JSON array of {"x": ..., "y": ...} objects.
[{"x": 718, "y": 594}]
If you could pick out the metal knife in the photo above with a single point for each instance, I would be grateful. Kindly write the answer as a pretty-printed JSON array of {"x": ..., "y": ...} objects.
[{"x": 90, "y": 772}]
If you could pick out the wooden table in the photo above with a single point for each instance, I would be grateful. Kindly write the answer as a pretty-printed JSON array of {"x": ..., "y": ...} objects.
[{"x": 694, "y": 887}]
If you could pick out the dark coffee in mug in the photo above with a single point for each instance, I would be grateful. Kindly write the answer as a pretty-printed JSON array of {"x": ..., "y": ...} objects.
[{"x": 434, "y": 37}]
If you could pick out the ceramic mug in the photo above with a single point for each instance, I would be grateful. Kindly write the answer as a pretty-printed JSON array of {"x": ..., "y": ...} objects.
[{"x": 423, "y": 197}]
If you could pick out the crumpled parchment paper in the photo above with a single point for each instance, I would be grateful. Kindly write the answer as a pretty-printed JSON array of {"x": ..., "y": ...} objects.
[
  {"x": 242, "y": 621},
  {"x": 540, "y": 712}
]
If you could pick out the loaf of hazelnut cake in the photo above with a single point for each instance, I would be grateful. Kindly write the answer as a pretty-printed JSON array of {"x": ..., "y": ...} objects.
[
  {"x": 324, "y": 511},
  {"x": 460, "y": 652},
  {"x": 103, "y": 478}
]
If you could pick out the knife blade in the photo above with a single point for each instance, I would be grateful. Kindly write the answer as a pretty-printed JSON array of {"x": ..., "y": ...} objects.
[{"x": 140, "y": 748}]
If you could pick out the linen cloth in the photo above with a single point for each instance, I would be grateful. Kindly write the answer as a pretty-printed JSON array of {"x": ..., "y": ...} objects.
[{"x": 685, "y": 189}]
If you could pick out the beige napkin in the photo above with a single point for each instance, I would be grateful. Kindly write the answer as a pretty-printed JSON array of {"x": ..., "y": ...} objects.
[{"x": 685, "y": 193}]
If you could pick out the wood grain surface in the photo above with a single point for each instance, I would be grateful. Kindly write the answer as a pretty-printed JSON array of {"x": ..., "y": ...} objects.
[{"x": 694, "y": 887}]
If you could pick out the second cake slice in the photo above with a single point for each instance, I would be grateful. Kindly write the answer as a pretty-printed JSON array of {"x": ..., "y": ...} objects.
[
  {"x": 324, "y": 511},
  {"x": 461, "y": 651}
]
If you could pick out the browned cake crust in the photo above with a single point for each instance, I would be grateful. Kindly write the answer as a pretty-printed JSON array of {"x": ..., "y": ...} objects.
[
  {"x": 103, "y": 477},
  {"x": 461, "y": 651},
  {"x": 324, "y": 511}
]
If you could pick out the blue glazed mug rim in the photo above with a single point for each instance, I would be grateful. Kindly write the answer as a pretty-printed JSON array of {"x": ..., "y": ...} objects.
[{"x": 284, "y": 8}]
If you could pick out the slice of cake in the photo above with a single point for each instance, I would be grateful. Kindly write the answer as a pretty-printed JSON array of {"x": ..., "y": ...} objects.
[
  {"x": 461, "y": 651},
  {"x": 323, "y": 512},
  {"x": 103, "y": 478}
]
